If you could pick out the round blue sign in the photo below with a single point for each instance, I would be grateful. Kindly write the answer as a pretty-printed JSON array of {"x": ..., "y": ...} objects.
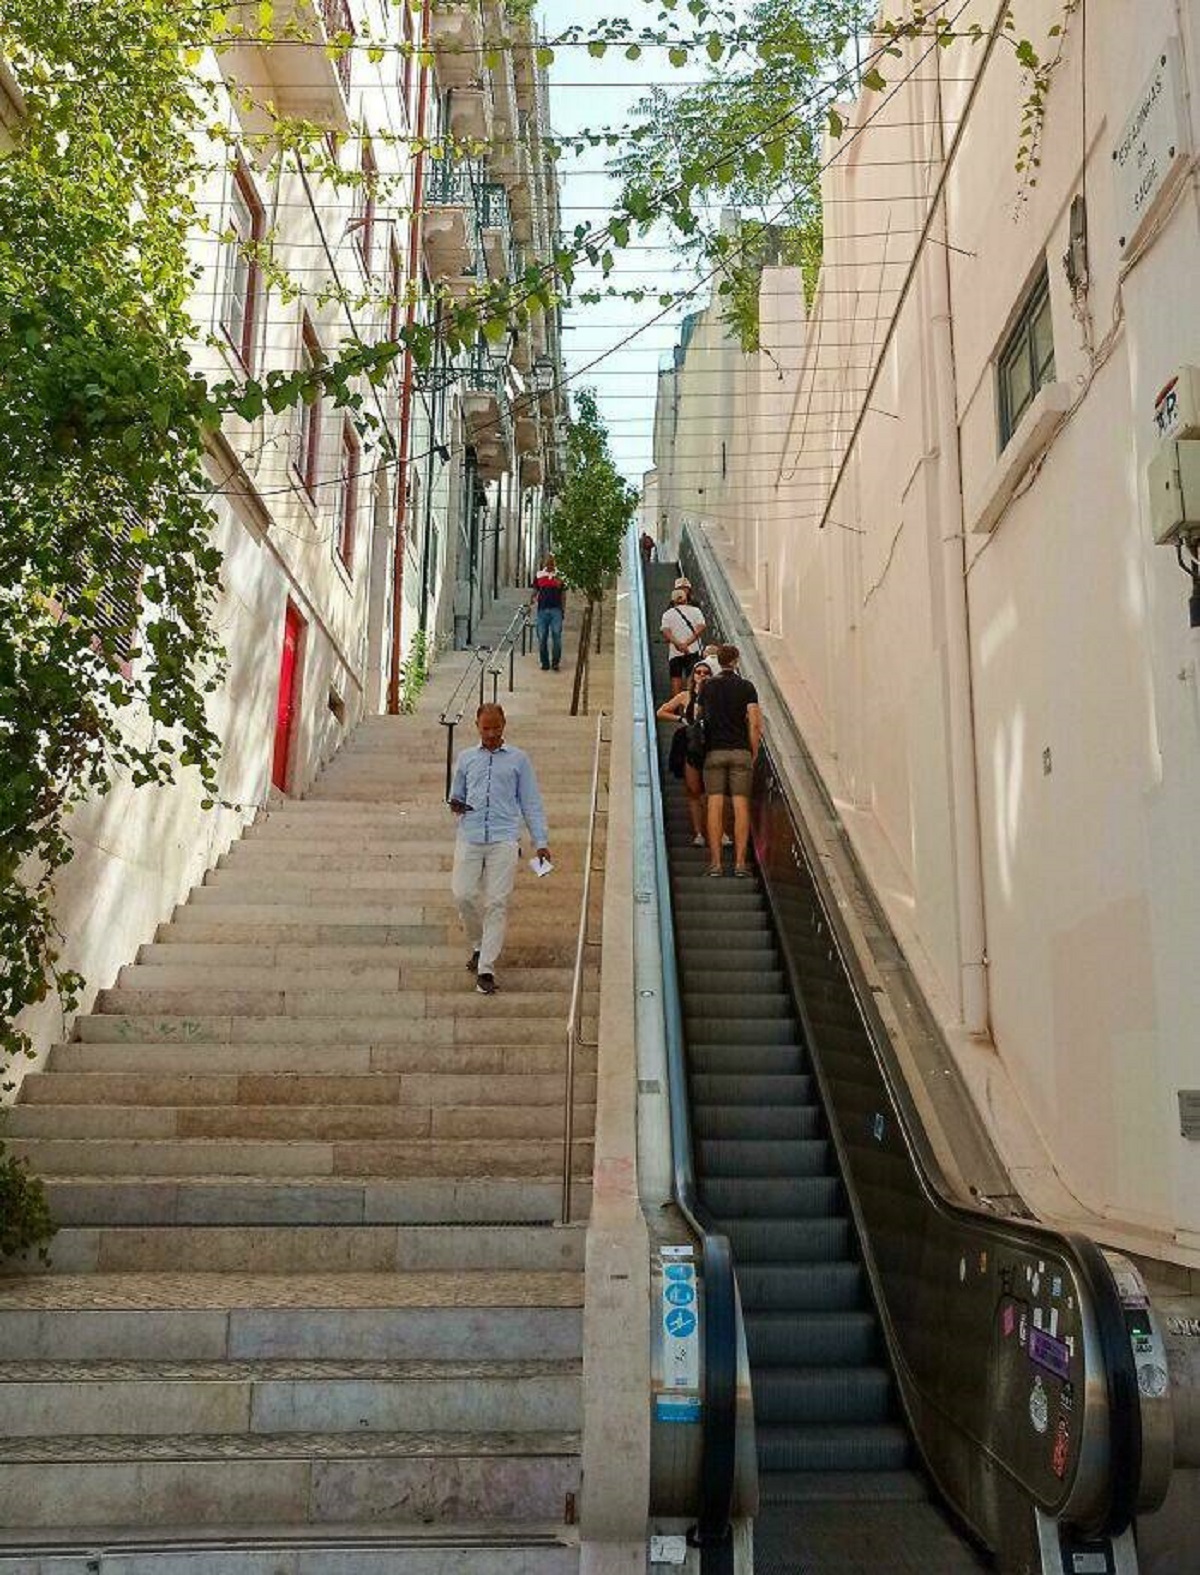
[
  {"x": 680, "y": 1322},
  {"x": 677, "y": 1271},
  {"x": 679, "y": 1295}
]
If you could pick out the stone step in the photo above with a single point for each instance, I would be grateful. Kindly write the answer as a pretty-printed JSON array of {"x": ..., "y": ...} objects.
[
  {"x": 244, "y": 924},
  {"x": 414, "y": 885},
  {"x": 163, "y": 1201},
  {"x": 299, "y": 1479},
  {"x": 319, "y": 1123},
  {"x": 342, "y": 840},
  {"x": 475, "y": 1316},
  {"x": 476, "y": 1549},
  {"x": 135, "y": 1400},
  {"x": 208, "y": 913},
  {"x": 180, "y": 1055},
  {"x": 264, "y": 1157},
  {"x": 178, "y": 947},
  {"x": 309, "y": 1249},
  {"x": 345, "y": 1007},
  {"x": 284, "y": 1090},
  {"x": 342, "y": 981}
]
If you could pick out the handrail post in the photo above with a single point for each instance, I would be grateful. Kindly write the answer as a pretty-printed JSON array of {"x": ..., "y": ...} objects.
[
  {"x": 449, "y": 726},
  {"x": 576, "y": 1008},
  {"x": 482, "y": 677},
  {"x": 512, "y": 666}
]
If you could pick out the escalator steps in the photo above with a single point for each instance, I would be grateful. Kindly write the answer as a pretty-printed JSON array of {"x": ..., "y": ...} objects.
[
  {"x": 813, "y": 1339},
  {"x": 833, "y": 1446},
  {"x": 827, "y": 1428},
  {"x": 805, "y": 1395}
]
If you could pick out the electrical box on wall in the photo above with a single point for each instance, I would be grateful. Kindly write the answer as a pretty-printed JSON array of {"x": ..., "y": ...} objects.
[{"x": 1174, "y": 477}]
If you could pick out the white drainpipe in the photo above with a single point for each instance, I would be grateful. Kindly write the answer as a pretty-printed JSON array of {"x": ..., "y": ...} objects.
[{"x": 968, "y": 861}]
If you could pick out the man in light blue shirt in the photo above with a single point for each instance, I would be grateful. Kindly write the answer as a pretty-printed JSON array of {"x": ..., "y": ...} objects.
[{"x": 493, "y": 791}]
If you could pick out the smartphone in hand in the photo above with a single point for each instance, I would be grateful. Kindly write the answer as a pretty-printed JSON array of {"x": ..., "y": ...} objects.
[{"x": 459, "y": 806}]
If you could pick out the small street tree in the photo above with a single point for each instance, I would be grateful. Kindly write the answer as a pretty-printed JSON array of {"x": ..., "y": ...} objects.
[{"x": 591, "y": 516}]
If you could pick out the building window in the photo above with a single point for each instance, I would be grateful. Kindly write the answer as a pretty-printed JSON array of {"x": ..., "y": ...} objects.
[
  {"x": 345, "y": 496},
  {"x": 307, "y": 454},
  {"x": 408, "y": 52},
  {"x": 1026, "y": 363},
  {"x": 241, "y": 286},
  {"x": 367, "y": 204},
  {"x": 395, "y": 291}
]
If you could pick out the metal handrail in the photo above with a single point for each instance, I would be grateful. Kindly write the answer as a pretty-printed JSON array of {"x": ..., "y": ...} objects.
[
  {"x": 575, "y": 1013},
  {"x": 479, "y": 658},
  {"x": 721, "y": 1316}
]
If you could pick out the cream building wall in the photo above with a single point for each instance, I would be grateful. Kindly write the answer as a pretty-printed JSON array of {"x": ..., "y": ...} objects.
[{"x": 1001, "y": 691}]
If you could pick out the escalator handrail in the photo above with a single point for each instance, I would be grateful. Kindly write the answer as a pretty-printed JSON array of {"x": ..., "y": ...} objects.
[
  {"x": 1120, "y": 1373},
  {"x": 720, "y": 1332}
]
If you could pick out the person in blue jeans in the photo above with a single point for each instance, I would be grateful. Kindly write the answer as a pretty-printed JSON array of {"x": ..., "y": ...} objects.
[{"x": 550, "y": 596}]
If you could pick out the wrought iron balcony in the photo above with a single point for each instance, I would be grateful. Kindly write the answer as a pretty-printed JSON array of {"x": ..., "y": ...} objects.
[
  {"x": 487, "y": 414},
  {"x": 448, "y": 231},
  {"x": 496, "y": 225}
]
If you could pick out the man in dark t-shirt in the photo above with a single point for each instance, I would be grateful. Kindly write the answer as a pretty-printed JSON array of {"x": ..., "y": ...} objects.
[
  {"x": 550, "y": 596},
  {"x": 732, "y": 734}
]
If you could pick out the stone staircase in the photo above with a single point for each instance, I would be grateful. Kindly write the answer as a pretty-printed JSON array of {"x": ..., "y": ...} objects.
[{"x": 308, "y": 1312}]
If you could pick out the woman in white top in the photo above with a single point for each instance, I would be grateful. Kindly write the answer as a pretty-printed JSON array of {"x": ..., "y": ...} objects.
[{"x": 683, "y": 630}]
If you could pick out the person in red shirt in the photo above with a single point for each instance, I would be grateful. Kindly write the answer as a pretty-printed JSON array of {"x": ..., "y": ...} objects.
[{"x": 550, "y": 597}]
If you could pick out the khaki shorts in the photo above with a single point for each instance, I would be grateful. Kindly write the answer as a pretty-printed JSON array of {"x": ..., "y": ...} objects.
[{"x": 729, "y": 771}]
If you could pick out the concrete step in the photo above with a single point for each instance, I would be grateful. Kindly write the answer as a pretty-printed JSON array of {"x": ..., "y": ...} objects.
[
  {"x": 135, "y": 1400},
  {"x": 220, "y": 1201},
  {"x": 414, "y": 885},
  {"x": 470, "y": 1549},
  {"x": 346, "y": 838},
  {"x": 245, "y": 924},
  {"x": 299, "y": 1479},
  {"x": 477, "y": 1316},
  {"x": 284, "y": 1090},
  {"x": 179, "y": 947},
  {"x": 345, "y": 1008},
  {"x": 309, "y": 1249},
  {"x": 287, "y": 1122},
  {"x": 179, "y": 1054},
  {"x": 341, "y": 981},
  {"x": 409, "y": 1157}
]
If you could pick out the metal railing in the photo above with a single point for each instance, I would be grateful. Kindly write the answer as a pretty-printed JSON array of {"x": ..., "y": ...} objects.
[
  {"x": 486, "y": 662},
  {"x": 448, "y": 183},
  {"x": 721, "y": 1310},
  {"x": 575, "y": 1039},
  {"x": 495, "y": 214}
]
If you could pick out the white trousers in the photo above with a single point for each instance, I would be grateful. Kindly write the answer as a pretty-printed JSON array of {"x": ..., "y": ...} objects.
[{"x": 482, "y": 884}]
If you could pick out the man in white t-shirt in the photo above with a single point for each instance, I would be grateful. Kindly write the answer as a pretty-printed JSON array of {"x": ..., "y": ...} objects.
[{"x": 683, "y": 630}]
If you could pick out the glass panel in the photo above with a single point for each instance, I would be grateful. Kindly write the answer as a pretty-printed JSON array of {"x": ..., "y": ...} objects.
[
  {"x": 1020, "y": 386},
  {"x": 1042, "y": 335}
]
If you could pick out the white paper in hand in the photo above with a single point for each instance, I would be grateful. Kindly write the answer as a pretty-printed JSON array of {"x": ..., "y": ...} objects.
[{"x": 540, "y": 866}]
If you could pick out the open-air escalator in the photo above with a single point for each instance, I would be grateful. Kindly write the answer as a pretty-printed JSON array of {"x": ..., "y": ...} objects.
[{"x": 935, "y": 1390}]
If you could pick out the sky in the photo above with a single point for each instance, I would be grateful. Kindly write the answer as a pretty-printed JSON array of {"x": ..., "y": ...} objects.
[{"x": 586, "y": 93}]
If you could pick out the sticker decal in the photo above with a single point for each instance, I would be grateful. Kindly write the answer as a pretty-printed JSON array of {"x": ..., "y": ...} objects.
[
  {"x": 1152, "y": 1380},
  {"x": 1061, "y": 1452},
  {"x": 1009, "y": 1321},
  {"x": 1050, "y": 1353},
  {"x": 1039, "y": 1407}
]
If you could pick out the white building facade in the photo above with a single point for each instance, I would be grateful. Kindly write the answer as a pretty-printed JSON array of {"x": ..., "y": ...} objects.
[
  {"x": 352, "y": 551},
  {"x": 932, "y": 491}
]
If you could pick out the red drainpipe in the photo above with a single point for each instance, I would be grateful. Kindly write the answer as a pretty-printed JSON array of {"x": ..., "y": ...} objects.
[{"x": 414, "y": 266}]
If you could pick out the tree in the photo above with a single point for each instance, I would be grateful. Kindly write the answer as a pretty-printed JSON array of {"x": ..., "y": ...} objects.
[
  {"x": 750, "y": 135},
  {"x": 591, "y": 516}
]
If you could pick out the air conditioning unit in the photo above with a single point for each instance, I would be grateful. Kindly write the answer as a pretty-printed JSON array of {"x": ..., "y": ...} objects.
[{"x": 1174, "y": 472}]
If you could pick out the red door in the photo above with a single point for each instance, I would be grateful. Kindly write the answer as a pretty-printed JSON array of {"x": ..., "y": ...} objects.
[{"x": 293, "y": 630}]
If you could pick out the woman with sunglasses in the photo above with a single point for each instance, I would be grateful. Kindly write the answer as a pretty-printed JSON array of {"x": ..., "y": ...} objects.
[{"x": 686, "y": 757}]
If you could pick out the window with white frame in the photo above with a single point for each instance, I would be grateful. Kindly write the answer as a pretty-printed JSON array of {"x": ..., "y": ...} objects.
[
  {"x": 345, "y": 495},
  {"x": 306, "y": 449},
  {"x": 1026, "y": 362},
  {"x": 241, "y": 284}
]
